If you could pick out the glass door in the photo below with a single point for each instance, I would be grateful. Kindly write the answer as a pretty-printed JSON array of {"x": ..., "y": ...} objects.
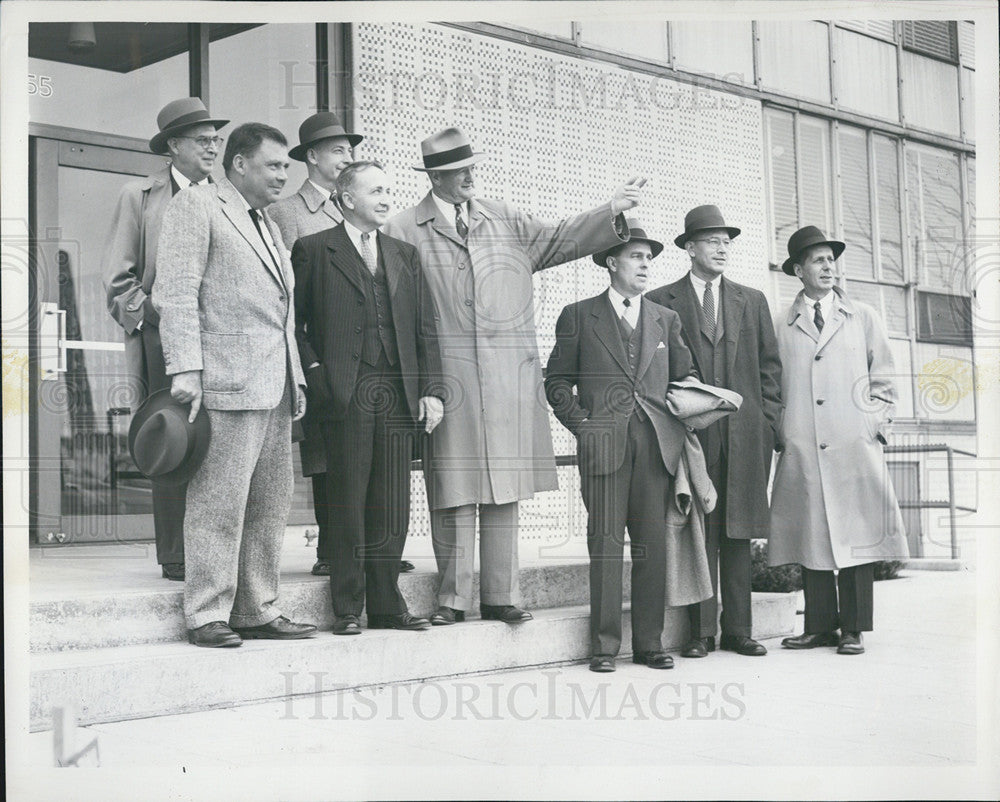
[{"x": 88, "y": 486}]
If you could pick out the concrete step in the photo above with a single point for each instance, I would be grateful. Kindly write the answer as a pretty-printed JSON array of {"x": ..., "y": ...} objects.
[
  {"x": 151, "y": 679},
  {"x": 100, "y": 620}
]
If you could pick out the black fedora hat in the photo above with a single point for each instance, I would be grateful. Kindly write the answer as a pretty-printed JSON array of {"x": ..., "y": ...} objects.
[
  {"x": 703, "y": 218},
  {"x": 178, "y": 115},
  {"x": 635, "y": 232},
  {"x": 165, "y": 447},
  {"x": 804, "y": 238},
  {"x": 320, "y": 126}
]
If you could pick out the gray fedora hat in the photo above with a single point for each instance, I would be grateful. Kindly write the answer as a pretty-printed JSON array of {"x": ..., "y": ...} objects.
[
  {"x": 320, "y": 126},
  {"x": 703, "y": 218},
  {"x": 178, "y": 115},
  {"x": 635, "y": 232},
  {"x": 804, "y": 238},
  {"x": 449, "y": 149},
  {"x": 167, "y": 448}
]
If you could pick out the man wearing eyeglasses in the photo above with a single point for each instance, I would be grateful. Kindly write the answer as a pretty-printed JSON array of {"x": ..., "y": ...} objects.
[
  {"x": 188, "y": 137},
  {"x": 729, "y": 331}
]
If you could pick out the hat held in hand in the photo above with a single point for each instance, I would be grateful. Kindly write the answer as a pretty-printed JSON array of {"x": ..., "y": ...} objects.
[
  {"x": 698, "y": 405},
  {"x": 165, "y": 447}
]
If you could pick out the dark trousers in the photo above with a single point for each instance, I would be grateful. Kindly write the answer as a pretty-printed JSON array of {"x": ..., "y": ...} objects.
[
  {"x": 168, "y": 502},
  {"x": 321, "y": 505},
  {"x": 633, "y": 498},
  {"x": 729, "y": 567},
  {"x": 856, "y": 607},
  {"x": 368, "y": 467}
]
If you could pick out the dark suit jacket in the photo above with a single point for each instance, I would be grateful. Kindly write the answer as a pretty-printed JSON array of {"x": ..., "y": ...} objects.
[
  {"x": 753, "y": 370},
  {"x": 329, "y": 318},
  {"x": 589, "y": 356}
]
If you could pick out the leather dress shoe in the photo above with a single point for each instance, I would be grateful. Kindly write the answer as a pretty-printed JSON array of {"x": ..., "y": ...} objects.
[
  {"x": 174, "y": 571},
  {"x": 850, "y": 643},
  {"x": 658, "y": 659},
  {"x": 444, "y": 616},
  {"x": 278, "y": 629},
  {"x": 405, "y": 566},
  {"x": 698, "y": 647},
  {"x": 811, "y": 640},
  {"x": 321, "y": 568},
  {"x": 405, "y": 621},
  {"x": 346, "y": 625},
  {"x": 602, "y": 663},
  {"x": 742, "y": 645},
  {"x": 507, "y": 613},
  {"x": 214, "y": 635}
]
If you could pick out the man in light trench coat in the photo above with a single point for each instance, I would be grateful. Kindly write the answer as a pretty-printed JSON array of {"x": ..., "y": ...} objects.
[
  {"x": 833, "y": 506},
  {"x": 494, "y": 446}
]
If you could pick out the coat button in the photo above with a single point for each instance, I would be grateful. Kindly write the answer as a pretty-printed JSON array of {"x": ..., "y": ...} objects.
[
  {"x": 357, "y": 329},
  {"x": 823, "y": 446},
  {"x": 360, "y": 302},
  {"x": 355, "y": 356},
  {"x": 468, "y": 302},
  {"x": 819, "y": 402},
  {"x": 818, "y": 357}
]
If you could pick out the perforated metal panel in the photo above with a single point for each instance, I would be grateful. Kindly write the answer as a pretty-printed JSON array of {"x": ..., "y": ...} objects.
[{"x": 562, "y": 134}]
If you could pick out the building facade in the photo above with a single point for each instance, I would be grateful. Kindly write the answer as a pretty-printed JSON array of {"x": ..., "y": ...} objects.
[{"x": 863, "y": 128}]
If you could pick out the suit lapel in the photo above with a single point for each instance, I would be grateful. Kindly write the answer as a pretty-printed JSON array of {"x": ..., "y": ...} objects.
[
  {"x": 428, "y": 212},
  {"x": 733, "y": 303},
  {"x": 607, "y": 330},
  {"x": 477, "y": 214},
  {"x": 232, "y": 207},
  {"x": 391, "y": 261},
  {"x": 831, "y": 327},
  {"x": 275, "y": 238},
  {"x": 652, "y": 336},
  {"x": 797, "y": 316},
  {"x": 344, "y": 256},
  {"x": 686, "y": 306}
]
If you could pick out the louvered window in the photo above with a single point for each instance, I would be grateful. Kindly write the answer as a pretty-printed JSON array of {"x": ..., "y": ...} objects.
[
  {"x": 937, "y": 38},
  {"x": 855, "y": 202}
]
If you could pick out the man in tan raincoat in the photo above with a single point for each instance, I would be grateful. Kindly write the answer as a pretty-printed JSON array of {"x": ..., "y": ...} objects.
[
  {"x": 833, "y": 507},
  {"x": 494, "y": 446}
]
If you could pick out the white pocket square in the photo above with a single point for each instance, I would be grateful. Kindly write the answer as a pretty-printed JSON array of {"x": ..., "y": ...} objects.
[{"x": 661, "y": 345}]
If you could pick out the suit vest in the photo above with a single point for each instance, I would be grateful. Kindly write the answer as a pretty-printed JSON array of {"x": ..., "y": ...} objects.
[
  {"x": 379, "y": 330},
  {"x": 632, "y": 342}
]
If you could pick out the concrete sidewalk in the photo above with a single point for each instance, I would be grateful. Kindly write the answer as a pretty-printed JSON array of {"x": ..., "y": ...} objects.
[{"x": 910, "y": 701}]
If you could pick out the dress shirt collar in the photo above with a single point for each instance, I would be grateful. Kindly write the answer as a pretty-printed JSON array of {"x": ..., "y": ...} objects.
[
  {"x": 182, "y": 180},
  {"x": 699, "y": 290},
  {"x": 354, "y": 235},
  {"x": 448, "y": 209},
  {"x": 321, "y": 190},
  {"x": 630, "y": 312},
  {"x": 825, "y": 305}
]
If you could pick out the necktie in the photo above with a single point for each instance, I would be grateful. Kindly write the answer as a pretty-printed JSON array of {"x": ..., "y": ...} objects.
[
  {"x": 708, "y": 308},
  {"x": 255, "y": 216},
  {"x": 460, "y": 226},
  {"x": 629, "y": 328},
  {"x": 368, "y": 254},
  {"x": 818, "y": 317}
]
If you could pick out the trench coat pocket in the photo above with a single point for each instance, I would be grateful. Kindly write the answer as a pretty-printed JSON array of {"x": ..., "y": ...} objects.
[{"x": 227, "y": 360}]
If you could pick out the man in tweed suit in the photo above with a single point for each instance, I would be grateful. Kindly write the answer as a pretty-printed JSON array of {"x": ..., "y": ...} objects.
[
  {"x": 325, "y": 147},
  {"x": 188, "y": 136},
  {"x": 224, "y": 296}
]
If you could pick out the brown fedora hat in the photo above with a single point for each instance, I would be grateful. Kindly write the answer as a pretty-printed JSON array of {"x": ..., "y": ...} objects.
[
  {"x": 703, "y": 218},
  {"x": 635, "y": 232},
  {"x": 320, "y": 126},
  {"x": 449, "y": 149},
  {"x": 804, "y": 238},
  {"x": 178, "y": 115},
  {"x": 165, "y": 447}
]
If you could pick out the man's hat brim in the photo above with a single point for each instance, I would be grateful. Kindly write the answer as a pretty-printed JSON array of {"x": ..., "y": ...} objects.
[
  {"x": 299, "y": 151},
  {"x": 200, "y": 430},
  {"x": 682, "y": 240},
  {"x": 656, "y": 247},
  {"x": 458, "y": 165},
  {"x": 158, "y": 144}
]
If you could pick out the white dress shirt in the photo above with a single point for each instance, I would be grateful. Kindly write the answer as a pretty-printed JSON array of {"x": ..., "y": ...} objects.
[
  {"x": 630, "y": 312},
  {"x": 182, "y": 180},
  {"x": 699, "y": 290},
  {"x": 268, "y": 242},
  {"x": 825, "y": 306},
  {"x": 322, "y": 190},
  {"x": 448, "y": 209},
  {"x": 354, "y": 234}
]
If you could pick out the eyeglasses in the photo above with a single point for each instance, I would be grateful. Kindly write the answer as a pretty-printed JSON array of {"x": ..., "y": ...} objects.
[
  {"x": 204, "y": 141},
  {"x": 715, "y": 242}
]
